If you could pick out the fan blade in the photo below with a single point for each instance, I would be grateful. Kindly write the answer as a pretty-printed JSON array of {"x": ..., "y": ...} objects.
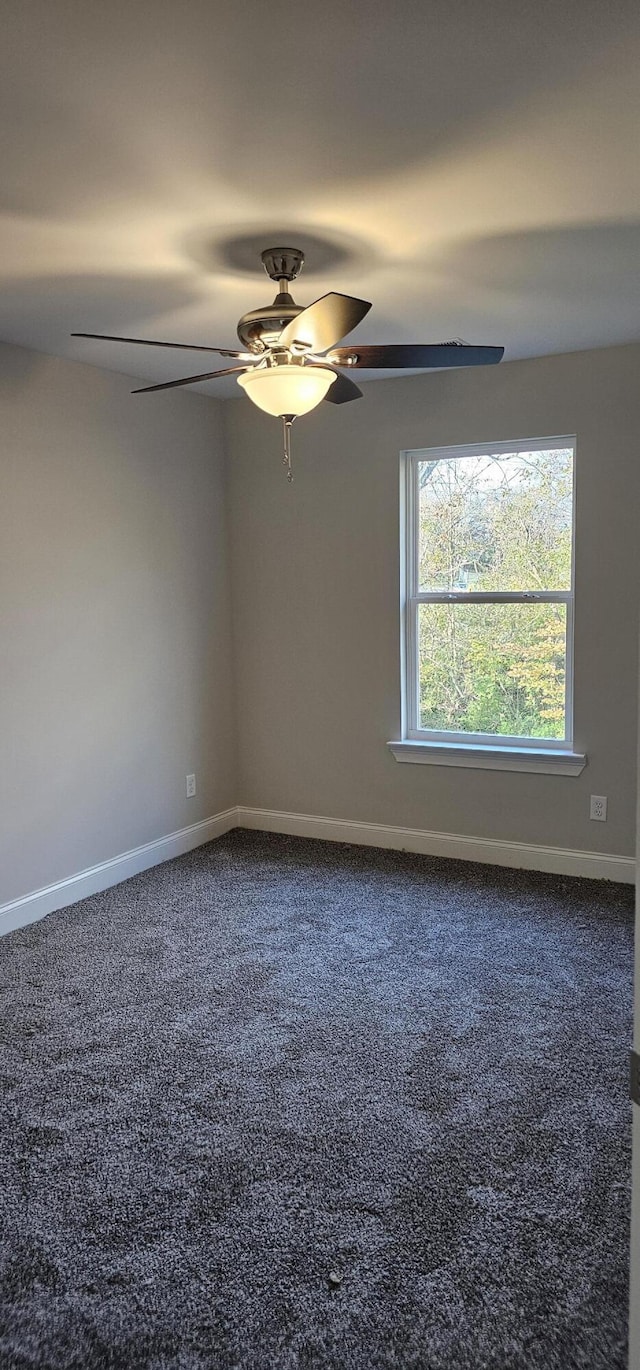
[
  {"x": 323, "y": 323},
  {"x": 342, "y": 391},
  {"x": 416, "y": 355},
  {"x": 151, "y": 342},
  {"x": 190, "y": 380}
]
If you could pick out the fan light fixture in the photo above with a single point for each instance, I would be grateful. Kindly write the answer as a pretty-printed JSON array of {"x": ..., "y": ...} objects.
[
  {"x": 289, "y": 361},
  {"x": 292, "y": 389}
]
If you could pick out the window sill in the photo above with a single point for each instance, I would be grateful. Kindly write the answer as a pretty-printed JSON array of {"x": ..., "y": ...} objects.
[{"x": 545, "y": 761}]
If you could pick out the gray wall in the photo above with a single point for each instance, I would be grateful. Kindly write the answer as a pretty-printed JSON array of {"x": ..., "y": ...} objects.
[
  {"x": 115, "y": 664},
  {"x": 315, "y": 587}
]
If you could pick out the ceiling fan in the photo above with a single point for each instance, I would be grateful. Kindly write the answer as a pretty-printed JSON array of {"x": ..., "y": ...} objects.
[{"x": 291, "y": 361}]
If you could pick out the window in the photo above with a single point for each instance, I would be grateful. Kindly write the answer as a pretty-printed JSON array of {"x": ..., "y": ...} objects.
[{"x": 488, "y": 597}]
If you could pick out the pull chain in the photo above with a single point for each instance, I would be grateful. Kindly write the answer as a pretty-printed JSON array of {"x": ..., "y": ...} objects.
[{"x": 287, "y": 422}]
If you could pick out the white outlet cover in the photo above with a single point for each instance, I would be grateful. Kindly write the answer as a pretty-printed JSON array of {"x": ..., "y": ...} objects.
[
  {"x": 191, "y": 786},
  {"x": 598, "y": 809}
]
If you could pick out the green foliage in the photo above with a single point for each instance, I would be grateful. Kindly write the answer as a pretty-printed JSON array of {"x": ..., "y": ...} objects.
[{"x": 495, "y": 524}]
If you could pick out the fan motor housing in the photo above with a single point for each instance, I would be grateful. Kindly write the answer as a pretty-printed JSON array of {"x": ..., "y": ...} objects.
[{"x": 261, "y": 328}]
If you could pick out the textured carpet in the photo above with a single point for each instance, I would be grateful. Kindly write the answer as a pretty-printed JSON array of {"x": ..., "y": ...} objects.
[{"x": 281, "y": 1103}]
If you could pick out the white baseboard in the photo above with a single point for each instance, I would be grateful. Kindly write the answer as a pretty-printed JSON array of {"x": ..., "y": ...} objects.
[
  {"x": 18, "y": 912},
  {"x": 521, "y": 855}
]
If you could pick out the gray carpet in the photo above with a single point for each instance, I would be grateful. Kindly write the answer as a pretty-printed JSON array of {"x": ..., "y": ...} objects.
[{"x": 281, "y": 1103}]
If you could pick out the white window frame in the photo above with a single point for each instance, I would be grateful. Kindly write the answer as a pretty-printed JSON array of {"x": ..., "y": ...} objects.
[{"x": 461, "y": 747}]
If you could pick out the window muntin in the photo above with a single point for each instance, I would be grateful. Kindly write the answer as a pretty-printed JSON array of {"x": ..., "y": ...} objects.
[{"x": 488, "y": 604}]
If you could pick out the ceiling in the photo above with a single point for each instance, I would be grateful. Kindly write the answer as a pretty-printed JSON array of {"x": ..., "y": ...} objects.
[{"x": 473, "y": 169}]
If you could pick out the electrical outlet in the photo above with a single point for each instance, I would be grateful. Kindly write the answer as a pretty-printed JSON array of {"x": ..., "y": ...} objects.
[
  {"x": 191, "y": 786},
  {"x": 598, "y": 808}
]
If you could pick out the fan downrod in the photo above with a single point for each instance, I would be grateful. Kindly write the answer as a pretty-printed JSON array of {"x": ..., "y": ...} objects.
[{"x": 260, "y": 328}]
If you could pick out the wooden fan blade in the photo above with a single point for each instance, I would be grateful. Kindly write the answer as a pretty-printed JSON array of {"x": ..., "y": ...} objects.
[
  {"x": 151, "y": 342},
  {"x": 342, "y": 391},
  {"x": 190, "y": 380},
  {"x": 323, "y": 323},
  {"x": 410, "y": 355}
]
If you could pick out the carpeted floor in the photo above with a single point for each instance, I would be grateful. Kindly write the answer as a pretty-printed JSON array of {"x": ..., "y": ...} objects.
[{"x": 281, "y": 1103}]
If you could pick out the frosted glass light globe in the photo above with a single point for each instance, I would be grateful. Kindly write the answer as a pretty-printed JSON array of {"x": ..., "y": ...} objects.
[{"x": 287, "y": 389}]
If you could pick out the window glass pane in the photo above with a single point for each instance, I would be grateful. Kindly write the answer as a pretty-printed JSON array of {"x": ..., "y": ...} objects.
[
  {"x": 500, "y": 522},
  {"x": 493, "y": 668}
]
